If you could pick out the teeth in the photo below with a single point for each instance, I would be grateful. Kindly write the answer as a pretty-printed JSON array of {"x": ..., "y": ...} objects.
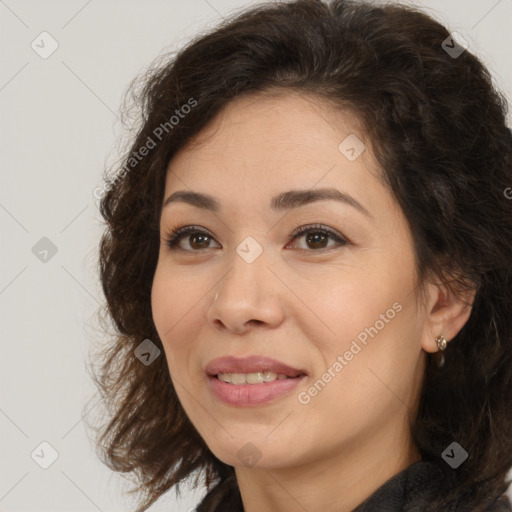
[{"x": 250, "y": 378}]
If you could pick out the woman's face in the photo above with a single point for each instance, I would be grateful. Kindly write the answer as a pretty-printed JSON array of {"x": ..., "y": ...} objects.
[{"x": 338, "y": 302}]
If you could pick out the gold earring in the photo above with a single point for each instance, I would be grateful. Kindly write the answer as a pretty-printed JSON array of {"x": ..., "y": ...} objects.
[{"x": 442, "y": 343}]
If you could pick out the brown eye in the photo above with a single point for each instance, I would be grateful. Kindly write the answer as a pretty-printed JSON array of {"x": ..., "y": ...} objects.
[
  {"x": 317, "y": 237},
  {"x": 197, "y": 239}
]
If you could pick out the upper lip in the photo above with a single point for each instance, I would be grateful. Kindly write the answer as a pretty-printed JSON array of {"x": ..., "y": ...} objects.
[{"x": 251, "y": 364}]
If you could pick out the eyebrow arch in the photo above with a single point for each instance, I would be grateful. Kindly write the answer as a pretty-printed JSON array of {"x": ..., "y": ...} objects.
[{"x": 283, "y": 201}]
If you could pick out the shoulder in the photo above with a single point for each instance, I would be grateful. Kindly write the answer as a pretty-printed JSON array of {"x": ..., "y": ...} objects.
[{"x": 423, "y": 484}]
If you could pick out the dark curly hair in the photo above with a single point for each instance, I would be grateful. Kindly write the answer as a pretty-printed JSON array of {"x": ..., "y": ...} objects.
[{"x": 438, "y": 126}]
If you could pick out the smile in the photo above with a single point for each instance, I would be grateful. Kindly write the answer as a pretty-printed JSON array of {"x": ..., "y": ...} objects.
[
  {"x": 244, "y": 394},
  {"x": 251, "y": 378}
]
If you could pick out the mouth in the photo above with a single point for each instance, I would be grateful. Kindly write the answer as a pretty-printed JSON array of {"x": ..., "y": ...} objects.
[
  {"x": 251, "y": 381},
  {"x": 254, "y": 369},
  {"x": 254, "y": 378},
  {"x": 251, "y": 395}
]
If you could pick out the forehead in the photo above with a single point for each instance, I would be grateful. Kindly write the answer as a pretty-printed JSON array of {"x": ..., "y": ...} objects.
[
  {"x": 261, "y": 148},
  {"x": 276, "y": 134}
]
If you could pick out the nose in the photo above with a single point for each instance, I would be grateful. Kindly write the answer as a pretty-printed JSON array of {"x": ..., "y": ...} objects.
[{"x": 245, "y": 297}]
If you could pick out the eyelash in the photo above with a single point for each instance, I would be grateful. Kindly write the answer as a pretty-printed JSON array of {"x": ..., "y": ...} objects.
[{"x": 175, "y": 236}]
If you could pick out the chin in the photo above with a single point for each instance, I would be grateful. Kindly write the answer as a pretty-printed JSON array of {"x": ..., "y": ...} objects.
[{"x": 252, "y": 451}]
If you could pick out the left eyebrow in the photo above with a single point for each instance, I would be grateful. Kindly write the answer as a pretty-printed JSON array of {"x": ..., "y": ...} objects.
[{"x": 283, "y": 201}]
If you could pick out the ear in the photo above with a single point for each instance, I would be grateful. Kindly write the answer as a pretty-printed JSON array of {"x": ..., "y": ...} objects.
[{"x": 446, "y": 313}]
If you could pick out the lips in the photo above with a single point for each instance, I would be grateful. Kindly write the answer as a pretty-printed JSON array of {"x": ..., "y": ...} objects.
[{"x": 251, "y": 364}]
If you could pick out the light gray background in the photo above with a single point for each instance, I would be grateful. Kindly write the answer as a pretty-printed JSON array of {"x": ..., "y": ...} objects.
[{"x": 59, "y": 127}]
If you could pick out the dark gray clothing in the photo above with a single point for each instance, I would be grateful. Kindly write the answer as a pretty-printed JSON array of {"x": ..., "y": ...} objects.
[
  {"x": 415, "y": 487},
  {"x": 408, "y": 491}
]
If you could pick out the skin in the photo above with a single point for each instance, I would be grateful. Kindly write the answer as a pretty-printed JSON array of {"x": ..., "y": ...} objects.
[{"x": 298, "y": 303}]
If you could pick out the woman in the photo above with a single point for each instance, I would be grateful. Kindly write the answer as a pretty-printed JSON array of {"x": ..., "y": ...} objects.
[{"x": 369, "y": 372}]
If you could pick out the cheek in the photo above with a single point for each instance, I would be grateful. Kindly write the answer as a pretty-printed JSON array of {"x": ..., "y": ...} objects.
[
  {"x": 375, "y": 356},
  {"x": 177, "y": 302},
  {"x": 370, "y": 320},
  {"x": 368, "y": 369},
  {"x": 354, "y": 303},
  {"x": 163, "y": 303},
  {"x": 173, "y": 295},
  {"x": 169, "y": 310}
]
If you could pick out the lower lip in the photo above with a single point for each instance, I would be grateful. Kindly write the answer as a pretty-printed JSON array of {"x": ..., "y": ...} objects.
[{"x": 246, "y": 395}]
